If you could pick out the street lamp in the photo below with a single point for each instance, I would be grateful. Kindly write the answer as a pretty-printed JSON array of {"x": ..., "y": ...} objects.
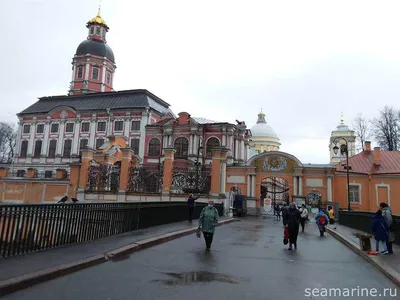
[
  {"x": 347, "y": 167},
  {"x": 197, "y": 162}
]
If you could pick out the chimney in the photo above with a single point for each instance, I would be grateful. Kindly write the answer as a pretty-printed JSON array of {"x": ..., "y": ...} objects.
[
  {"x": 377, "y": 156},
  {"x": 367, "y": 147}
]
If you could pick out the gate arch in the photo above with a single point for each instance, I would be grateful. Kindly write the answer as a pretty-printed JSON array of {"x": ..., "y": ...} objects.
[{"x": 275, "y": 190}]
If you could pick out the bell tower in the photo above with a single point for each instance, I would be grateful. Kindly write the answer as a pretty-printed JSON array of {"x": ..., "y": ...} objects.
[
  {"x": 338, "y": 138},
  {"x": 93, "y": 65}
]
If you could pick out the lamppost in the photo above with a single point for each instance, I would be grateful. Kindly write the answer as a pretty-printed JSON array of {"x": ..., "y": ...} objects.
[
  {"x": 197, "y": 162},
  {"x": 347, "y": 167}
]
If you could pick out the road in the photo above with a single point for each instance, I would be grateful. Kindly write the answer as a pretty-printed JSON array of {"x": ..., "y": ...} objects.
[{"x": 248, "y": 261}]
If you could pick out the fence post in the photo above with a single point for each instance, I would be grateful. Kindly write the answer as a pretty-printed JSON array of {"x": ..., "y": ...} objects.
[
  {"x": 31, "y": 173},
  {"x": 87, "y": 156},
  {"x": 74, "y": 178},
  {"x": 3, "y": 172},
  {"x": 126, "y": 162},
  {"x": 216, "y": 172},
  {"x": 168, "y": 172}
]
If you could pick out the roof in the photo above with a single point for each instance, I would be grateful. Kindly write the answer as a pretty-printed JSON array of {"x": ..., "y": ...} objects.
[
  {"x": 364, "y": 163},
  {"x": 318, "y": 166},
  {"x": 206, "y": 121},
  {"x": 96, "y": 48},
  {"x": 100, "y": 101}
]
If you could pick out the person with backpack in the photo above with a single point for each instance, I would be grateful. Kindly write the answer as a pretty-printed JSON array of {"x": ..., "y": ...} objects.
[
  {"x": 332, "y": 219},
  {"x": 322, "y": 220},
  {"x": 387, "y": 214},
  {"x": 208, "y": 221},
  {"x": 380, "y": 228}
]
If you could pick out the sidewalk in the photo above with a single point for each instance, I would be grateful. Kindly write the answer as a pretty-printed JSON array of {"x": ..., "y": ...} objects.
[
  {"x": 13, "y": 267},
  {"x": 389, "y": 265}
]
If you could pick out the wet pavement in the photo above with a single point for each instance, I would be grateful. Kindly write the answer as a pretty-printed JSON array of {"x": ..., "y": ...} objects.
[{"x": 247, "y": 261}]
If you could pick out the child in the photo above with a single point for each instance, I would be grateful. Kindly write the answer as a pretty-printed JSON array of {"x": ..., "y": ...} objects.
[{"x": 379, "y": 228}]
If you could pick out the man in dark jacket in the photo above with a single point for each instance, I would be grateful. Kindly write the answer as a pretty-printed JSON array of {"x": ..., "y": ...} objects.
[
  {"x": 292, "y": 222},
  {"x": 190, "y": 203}
]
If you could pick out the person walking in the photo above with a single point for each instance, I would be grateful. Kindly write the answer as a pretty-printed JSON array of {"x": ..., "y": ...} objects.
[
  {"x": 380, "y": 228},
  {"x": 278, "y": 211},
  {"x": 208, "y": 221},
  {"x": 191, "y": 203},
  {"x": 322, "y": 220},
  {"x": 387, "y": 214},
  {"x": 303, "y": 216},
  {"x": 292, "y": 222},
  {"x": 331, "y": 215}
]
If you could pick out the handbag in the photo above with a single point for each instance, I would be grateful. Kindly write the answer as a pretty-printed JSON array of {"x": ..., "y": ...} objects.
[
  {"x": 198, "y": 233},
  {"x": 286, "y": 236}
]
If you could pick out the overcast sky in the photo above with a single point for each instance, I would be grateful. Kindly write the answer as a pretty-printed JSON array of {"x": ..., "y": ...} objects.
[{"x": 302, "y": 62}]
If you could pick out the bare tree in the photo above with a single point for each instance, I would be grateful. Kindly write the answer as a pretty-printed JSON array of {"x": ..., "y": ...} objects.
[
  {"x": 386, "y": 129},
  {"x": 362, "y": 129},
  {"x": 7, "y": 142}
]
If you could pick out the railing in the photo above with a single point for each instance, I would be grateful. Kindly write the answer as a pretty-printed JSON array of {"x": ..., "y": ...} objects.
[
  {"x": 147, "y": 178},
  {"x": 191, "y": 179},
  {"x": 103, "y": 178},
  {"x": 361, "y": 220},
  {"x": 29, "y": 228}
]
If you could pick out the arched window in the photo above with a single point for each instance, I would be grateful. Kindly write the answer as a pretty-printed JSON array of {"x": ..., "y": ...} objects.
[
  {"x": 154, "y": 147},
  {"x": 181, "y": 146},
  {"x": 211, "y": 143}
]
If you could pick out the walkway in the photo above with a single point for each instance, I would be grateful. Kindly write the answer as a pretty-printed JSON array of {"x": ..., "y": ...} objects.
[
  {"x": 36, "y": 261},
  {"x": 248, "y": 261},
  {"x": 390, "y": 260}
]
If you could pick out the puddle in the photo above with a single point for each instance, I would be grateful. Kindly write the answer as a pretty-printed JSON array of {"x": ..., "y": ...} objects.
[{"x": 192, "y": 277}]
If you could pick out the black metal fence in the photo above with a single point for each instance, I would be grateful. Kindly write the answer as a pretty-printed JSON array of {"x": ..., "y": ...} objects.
[
  {"x": 28, "y": 228},
  {"x": 361, "y": 220},
  {"x": 147, "y": 178}
]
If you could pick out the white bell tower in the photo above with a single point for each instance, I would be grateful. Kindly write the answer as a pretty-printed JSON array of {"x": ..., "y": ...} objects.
[{"x": 337, "y": 137}]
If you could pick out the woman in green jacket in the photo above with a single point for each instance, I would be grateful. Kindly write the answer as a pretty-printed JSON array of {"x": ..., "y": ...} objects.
[{"x": 207, "y": 222}]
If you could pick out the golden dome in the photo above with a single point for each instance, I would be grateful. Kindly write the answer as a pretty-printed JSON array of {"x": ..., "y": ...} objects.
[{"x": 98, "y": 20}]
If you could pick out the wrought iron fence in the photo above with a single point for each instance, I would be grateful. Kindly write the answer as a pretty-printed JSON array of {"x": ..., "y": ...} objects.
[
  {"x": 191, "y": 179},
  {"x": 29, "y": 228},
  {"x": 147, "y": 178},
  {"x": 103, "y": 178}
]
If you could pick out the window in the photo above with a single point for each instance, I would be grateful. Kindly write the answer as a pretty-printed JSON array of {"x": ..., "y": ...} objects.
[
  {"x": 95, "y": 73},
  {"x": 48, "y": 174},
  {"x": 67, "y": 148},
  {"x": 99, "y": 143},
  {"x": 135, "y": 145},
  {"x": 135, "y": 125},
  {"x": 27, "y": 128},
  {"x": 69, "y": 127},
  {"x": 101, "y": 126},
  {"x": 103, "y": 34},
  {"x": 85, "y": 127},
  {"x": 211, "y": 143},
  {"x": 54, "y": 128},
  {"x": 40, "y": 128},
  {"x": 80, "y": 73},
  {"x": 83, "y": 144},
  {"x": 52, "y": 148},
  {"x": 98, "y": 31},
  {"x": 119, "y": 125},
  {"x": 21, "y": 173},
  {"x": 91, "y": 30},
  {"x": 154, "y": 147},
  {"x": 354, "y": 193},
  {"x": 181, "y": 146},
  {"x": 108, "y": 78},
  {"x": 38, "y": 149},
  {"x": 24, "y": 148}
]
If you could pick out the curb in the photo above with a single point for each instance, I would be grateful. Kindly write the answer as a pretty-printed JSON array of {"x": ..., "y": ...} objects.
[
  {"x": 385, "y": 269},
  {"x": 15, "y": 284}
]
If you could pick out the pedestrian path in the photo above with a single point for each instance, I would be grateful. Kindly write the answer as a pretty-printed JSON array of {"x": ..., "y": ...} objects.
[
  {"x": 32, "y": 262},
  {"x": 384, "y": 261}
]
